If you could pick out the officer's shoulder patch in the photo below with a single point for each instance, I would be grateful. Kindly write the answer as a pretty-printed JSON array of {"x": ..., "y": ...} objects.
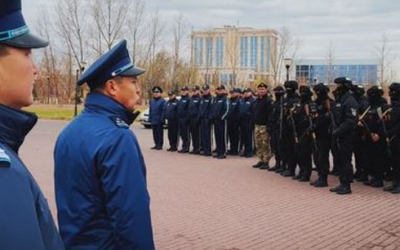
[
  {"x": 119, "y": 122},
  {"x": 4, "y": 158},
  {"x": 353, "y": 111}
]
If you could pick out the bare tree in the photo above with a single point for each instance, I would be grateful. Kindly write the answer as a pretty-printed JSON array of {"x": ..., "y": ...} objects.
[
  {"x": 232, "y": 52},
  {"x": 330, "y": 58},
  {"x": 135, "y": 25},
  {"x": 179, "y": 32},
  {"x": 109, "y": 17},
  {"x": 386, "y": 57},
  {"x": 287, "y": 46}
]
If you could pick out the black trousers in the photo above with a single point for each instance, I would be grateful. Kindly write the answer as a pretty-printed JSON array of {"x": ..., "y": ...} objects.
[
  {"x": 205, "y": 129},
  {"x": 395, "y": 158},
  {"x": 305, "y": 156},
  {"x": 233, "y": 135},
  {"x": 173, "y": 129},
  {"x": 360, "y": 151},
  {"x": 275, "y": 146},
  {"x": 194, "y": 129},
  {"x": 220, "y": 137},
  {"x": 322, "y": 157},
  {"x": 376, "y": 159},
  {"x": 158, "y": 135},
  {"x": 184, "y": 133},
  {"x": 289, "y": 150},
  {"x": 246, "y": 131},
  {"x": 343, "y": 158}
]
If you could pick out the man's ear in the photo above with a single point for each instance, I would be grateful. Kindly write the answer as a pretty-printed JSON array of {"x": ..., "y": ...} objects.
[{"x": 111, "y": 87}]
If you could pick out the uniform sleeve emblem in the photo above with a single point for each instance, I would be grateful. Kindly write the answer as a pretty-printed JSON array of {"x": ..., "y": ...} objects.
[
  {"x": 4, "y": 158},
  {"x": 119, "y": 122},
  {"x": 353, "y": 112}
]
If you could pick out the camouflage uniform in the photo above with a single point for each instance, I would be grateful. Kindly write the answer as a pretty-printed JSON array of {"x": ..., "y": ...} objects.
[{"x": 263, "y": 145}]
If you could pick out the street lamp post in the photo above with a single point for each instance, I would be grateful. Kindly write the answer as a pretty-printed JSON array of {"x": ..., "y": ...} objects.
[
  {"x": 48, "y": 89},
  {"x": 288, "y": 63}
]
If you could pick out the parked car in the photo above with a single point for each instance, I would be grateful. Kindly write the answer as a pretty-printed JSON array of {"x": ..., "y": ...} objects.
[{"x": 144, "y": 116}]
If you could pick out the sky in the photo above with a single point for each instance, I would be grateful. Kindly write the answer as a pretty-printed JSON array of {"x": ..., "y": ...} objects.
[{"x": 354, "y": 28}]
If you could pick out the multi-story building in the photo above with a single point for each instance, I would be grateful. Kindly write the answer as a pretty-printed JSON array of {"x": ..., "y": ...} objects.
[
  {"x": 315, "y": 71},
  {"x": 234, "y": 56}
]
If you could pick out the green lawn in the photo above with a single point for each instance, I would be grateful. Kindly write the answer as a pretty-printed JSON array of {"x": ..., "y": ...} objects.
[{"x": 59, "y": 112}]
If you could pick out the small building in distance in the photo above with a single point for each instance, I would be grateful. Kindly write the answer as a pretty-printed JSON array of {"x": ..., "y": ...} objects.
[
  {"x": 234, "y": 56},
  {"x": 315, "y": 71}
]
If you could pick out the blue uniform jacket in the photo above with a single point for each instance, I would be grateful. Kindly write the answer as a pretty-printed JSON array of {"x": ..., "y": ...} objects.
[
  {"x": 100, "y": 181},
  {"x": 25, "y": 219},
  {"x": 246, "y": 108},
  {"x": 157, "y": 110},
  {"x": 171, "y": 112},
  {"x": 234, "y": 108},
  {"x": 183, "y": 107},
  {"x": 220, "y": 108},
  {"x": 194, "y": 108},
  {"x": 206, "y": 103}
]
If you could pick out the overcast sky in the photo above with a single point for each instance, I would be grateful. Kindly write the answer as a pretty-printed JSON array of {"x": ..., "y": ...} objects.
[{"x": 354, "y": 27}]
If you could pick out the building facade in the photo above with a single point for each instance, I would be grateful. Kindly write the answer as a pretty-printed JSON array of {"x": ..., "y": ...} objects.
[
  {"x": 315, "y": 71},
  {"x": 234, "y": 56}
]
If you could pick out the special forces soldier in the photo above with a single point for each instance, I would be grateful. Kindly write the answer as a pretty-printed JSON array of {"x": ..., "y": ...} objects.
[
  {"x": 343, "y": 132},
  {"x": 206, "y": 120},
  {"x": 219, "y": 112},
  {"x": 393, "y": 128},
  {"x": 233, "y": 122},
  {"x": 307, "y": 144},
  {"x": 360, "y": 141},
  {"x": 322, "y": 121},
  {"x": 275, "y": 124},
  {"x": 25, "y": 218},
  {"x": 262, "y": 108},
  {"x": 171, "y": 114},
  {"x": 377, "y": 148},
  {"x": 156, "y": 117},
  {"x": 246, "y": 122},
  {"x": 289, "y": 133},
  {"x": 194, "y": 119},
  {"x": 183, "y": 113}
]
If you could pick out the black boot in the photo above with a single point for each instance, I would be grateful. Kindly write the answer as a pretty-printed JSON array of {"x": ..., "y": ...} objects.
[
  {"x": 265, "y": 166},
  {"x": 287, "y": 173},
  {"x": 335, "y": 189},
  {"x": 396, "y": 189},
  {"x": 378, "y": 183},
  {"x": 391, "y": 187},
  {"x": 321, "y": 182},
  {"x": 259, "y": 164},
  {"x": 345, "y": 189}
]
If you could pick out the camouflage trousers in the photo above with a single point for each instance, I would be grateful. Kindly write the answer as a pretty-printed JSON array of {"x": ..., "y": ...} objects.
[{"x": 263, "y": 145}]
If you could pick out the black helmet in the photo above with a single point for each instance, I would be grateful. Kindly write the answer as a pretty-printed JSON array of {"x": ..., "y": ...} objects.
[
  {"x": 375, "y": 91},
  {"x": 321, "y": 88},
  {"x": 394, "y": 91},
  {"x": 292, "y": 85},
  {"x": 359, "y": 89},
  {"x": 345, "y": 81}
]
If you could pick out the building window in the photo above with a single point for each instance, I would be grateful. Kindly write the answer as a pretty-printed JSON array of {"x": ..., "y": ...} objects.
[
  {"x": 243, "y": 52},
  {"x": 209, "y": 46},
  {"x": 253, "y": 51},
  {"x": 198, "y": 47},
  {"x": 220, "y": 51}
]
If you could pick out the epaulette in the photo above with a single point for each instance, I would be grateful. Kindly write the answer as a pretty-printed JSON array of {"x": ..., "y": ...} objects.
[{"x": 119, "y": 122}]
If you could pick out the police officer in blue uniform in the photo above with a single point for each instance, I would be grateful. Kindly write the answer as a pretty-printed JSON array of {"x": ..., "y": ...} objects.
[
  {"x": 207, "y": 100},
  {"x": 345, "y": 113},
  {"x": 100, "y": 174},
  {"x": 233, "y": 122},
  {"x": 183, "y": 113},
  {"x": 25, "y": 219},
  {"x": 194, "y": 119},
  {"x": 156, "y": 117},
  {"x": 171, "y": 114},
  {"x": 219, "y": 111},
  {"x": 246, "y": 122}
]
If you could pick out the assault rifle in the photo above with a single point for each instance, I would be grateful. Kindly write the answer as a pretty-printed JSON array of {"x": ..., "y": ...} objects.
[{"x": 385, "y": 132}]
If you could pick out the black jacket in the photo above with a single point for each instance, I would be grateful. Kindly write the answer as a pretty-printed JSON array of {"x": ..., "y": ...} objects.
[
  {"x": 345, "y": 112},
  {"x": 206, "y": 106},
  {"x": 234, "y": 107},
  {"x": 171, "y": 112},
  {"x": 246, "y": 109},
  {"x": 183, "y": 107},
  {"x": 220, "y": 108},
  {"x": 261, "y": 110}
]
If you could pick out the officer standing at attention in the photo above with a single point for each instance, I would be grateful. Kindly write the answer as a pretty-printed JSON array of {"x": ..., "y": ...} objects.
[
  {"x": 246, "y": 122},
  {"x": 289, "y": 134},
  {"x": 183, "y": 113},
  {"x": 393, "y": 127},
  {"x": 321, "y": 126},
  {"x": 100, "y": 174},
  {"x": 156, "y": 117},
  {"x": 233, "y": 122},
  {"x": 276, "y": 122},
  {"x": 194, "y": 119},
  {"x": 26, "y": 221},
  {"x": 262, "y": 108},
  {"x": 219, "y": 111},
  {"x": 206, "y": 103},
  {"x": 343, "y": 132},
  {"x": 360, "y": 141},
  {"x": 171, "y": 114}
]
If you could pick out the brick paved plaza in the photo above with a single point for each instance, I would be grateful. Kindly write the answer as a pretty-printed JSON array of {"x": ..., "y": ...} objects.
[{"x": 205, "y": 203}]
